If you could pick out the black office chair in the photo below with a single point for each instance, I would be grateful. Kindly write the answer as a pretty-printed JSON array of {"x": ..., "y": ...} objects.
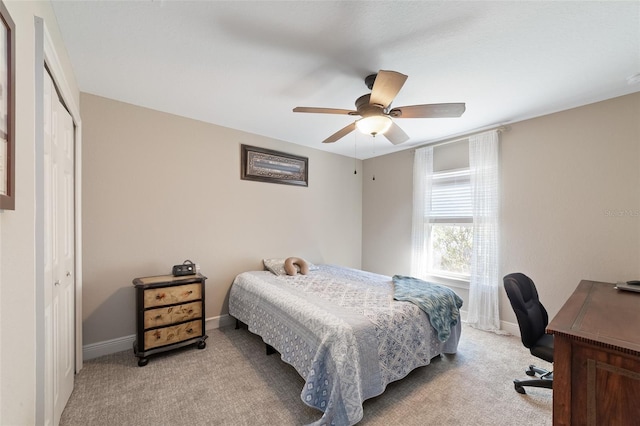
[{"x": 532, "y": 320}]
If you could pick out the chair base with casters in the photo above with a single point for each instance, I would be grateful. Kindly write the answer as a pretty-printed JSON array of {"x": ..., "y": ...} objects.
[{"x": 545, "y": 379}]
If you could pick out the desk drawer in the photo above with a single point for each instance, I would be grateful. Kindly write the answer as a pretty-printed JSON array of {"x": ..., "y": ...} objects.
[
  {"x": 172, "y": 314},
  {"x": 172, "y": 334},
  {"x": 176, "y": 294}
]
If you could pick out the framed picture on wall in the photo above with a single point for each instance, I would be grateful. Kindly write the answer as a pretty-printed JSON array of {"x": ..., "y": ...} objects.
[
  {"x": 266, "y": 165},
  {"x": 7, "y": 110}
]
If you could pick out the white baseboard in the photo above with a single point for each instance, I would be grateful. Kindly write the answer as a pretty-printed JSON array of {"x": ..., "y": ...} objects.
[
  {"x": 463, "y": 316},
  {"x": 509, "y": 327},
  {"x": 219, "y": 321},
  {"x": 95, "y": 350}
]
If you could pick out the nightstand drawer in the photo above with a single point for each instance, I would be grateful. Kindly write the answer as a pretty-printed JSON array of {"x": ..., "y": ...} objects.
[
  {"x": 172, "y": 314},
  {"x": 172, "y": 334},
  {"x": 168, "y": 295}
]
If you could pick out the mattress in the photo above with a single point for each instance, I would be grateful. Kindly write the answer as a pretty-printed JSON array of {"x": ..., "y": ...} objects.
[{"x": 342, "y": 331}]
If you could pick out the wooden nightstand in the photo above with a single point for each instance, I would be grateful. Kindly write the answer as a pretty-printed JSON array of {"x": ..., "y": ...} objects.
[{"x": 169, "y": 314}]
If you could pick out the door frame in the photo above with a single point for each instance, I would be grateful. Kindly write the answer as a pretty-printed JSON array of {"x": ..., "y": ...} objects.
[{"x": 47, "y": 55}]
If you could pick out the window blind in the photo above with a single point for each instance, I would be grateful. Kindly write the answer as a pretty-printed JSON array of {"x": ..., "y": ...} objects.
[{"x": 451, "y": 197}]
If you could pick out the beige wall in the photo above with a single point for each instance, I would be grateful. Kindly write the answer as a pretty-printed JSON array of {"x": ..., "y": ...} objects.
[
  {"x": 570, "y": 201},
  {"x": 159, "y": 189},
  {"x": 19, "y": 383},
  {"x": 570, "y": 198}
]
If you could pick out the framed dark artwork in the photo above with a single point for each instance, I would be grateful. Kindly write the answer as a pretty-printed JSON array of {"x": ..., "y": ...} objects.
[
  {"x": 7, "y": 111},
  {"x": 266, "y": 165}
]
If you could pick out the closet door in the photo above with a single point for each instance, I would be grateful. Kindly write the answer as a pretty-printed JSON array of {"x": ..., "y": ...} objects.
[{"x": 59, "y": 254}]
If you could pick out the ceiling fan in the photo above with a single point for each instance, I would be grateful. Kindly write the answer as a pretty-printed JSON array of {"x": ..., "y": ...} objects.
[{"x": 377, "y": 114}]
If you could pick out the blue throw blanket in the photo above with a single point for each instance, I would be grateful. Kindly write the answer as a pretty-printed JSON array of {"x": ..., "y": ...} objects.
[{"x": 440, "y": 303}]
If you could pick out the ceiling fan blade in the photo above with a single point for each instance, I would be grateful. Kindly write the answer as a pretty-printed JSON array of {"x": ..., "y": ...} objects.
[
  {"x": 429, "y": 111},
  {"x": 396, "y": 135},
  {"x": 386, "y": 87},
  {"x": 325, "y": 110},
  {"x": 340, "y": 133}
]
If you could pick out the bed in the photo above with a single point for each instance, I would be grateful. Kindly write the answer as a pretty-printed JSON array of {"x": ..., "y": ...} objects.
[{"x": 342, "y": 331}]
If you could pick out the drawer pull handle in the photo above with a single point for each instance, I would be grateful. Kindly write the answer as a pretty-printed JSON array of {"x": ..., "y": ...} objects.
[
  {"x": 160, "y": 296},
  {"x": 157, "y": 335},
  {"x": 189, "y": 330},
  {"x": 158, "y": 317},
  {"x": 187, "y": 293}
]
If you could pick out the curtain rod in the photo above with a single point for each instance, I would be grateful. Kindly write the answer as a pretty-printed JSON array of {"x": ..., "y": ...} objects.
[{"x": 457, "y": 138}]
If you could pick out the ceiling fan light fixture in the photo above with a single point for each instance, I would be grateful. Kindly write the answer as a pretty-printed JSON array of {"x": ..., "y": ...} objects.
[
  {"x": 377, "y": 114},
  {"x": 374, "y": 124}
]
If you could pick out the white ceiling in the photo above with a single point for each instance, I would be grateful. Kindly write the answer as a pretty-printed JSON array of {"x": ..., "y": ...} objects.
[{"x": 246, "y": 65}]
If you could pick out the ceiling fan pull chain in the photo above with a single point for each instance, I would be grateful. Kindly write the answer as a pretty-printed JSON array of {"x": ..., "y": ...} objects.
[
  {"x": 355, "y": 154},
  {"x": 374, "y": 154}
]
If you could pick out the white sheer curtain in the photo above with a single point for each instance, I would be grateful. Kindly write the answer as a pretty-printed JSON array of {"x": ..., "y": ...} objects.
[
  {"x": 485, "y": 280},
  {"x": 422, "y": 177}
]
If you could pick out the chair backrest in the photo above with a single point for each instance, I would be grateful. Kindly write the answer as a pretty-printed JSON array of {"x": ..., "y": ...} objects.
[{"x": 532, "y": 316}]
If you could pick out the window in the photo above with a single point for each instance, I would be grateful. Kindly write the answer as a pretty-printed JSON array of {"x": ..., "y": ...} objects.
[
  {"x": 449, "y": 220},
  {"x": 455, "y": 224}
]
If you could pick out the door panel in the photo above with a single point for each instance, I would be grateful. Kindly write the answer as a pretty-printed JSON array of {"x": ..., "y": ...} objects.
[
  {"x": 63, "y": 291},
  {"x": 48, "y": 254},
  {"x": 59, "y": 240}
]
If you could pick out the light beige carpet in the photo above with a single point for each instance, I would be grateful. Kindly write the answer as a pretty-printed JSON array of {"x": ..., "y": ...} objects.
[{"x": 233, "y": 382}]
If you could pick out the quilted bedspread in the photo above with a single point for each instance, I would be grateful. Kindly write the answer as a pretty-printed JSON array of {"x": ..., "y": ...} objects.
[{"x": 341, "y": 330}]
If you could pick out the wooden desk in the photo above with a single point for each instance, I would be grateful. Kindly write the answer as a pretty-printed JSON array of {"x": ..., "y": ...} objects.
[{"x": 596, "y": 377}]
